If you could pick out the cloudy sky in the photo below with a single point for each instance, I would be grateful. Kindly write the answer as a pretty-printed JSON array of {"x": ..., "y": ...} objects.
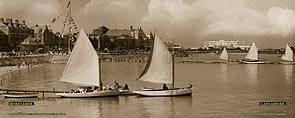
[{"x": 269, "y": 23}]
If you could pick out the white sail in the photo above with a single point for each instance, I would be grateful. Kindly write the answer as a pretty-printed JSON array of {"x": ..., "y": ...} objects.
[
  {"x": 159, "y": 68},
  {"x": 224, "y": 55},
  {"x": 82, "y": 67},
  {"x": 253, "y": 53},
  {"x": 288, "y": 56}
]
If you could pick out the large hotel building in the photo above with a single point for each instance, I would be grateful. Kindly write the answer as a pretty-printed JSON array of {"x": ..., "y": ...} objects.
[{"x": 227, "y": 44}]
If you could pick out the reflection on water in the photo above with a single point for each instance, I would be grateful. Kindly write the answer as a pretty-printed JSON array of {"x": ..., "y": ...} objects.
[
  {"x": 167, "y": 107},
  {"x": 220, "y": 90},
  {"x": 89, "y": 107},
  {"x": 288, "y": 70},
  {"x": 223, "y": 71},
  {"x": 72, "y": 108},
  {"x": 252, "y": 70}
]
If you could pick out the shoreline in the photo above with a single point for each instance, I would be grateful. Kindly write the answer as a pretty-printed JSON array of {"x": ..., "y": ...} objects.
[
  {"x": 132, "y": 58},
  {"x": 5, "y": 71}
]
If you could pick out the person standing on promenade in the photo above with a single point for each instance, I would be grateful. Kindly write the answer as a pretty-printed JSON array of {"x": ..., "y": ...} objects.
[{"x": 10, "y": 69}]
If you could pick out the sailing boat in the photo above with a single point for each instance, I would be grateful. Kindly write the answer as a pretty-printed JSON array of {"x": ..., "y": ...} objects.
[
  {"x": 288, "y": 56},
  {"x": 83, "y": 69},
  {"x": 160, "y": 69},
  {"x": 224, "y": 55},
  {"x": 252, "y": 56}
]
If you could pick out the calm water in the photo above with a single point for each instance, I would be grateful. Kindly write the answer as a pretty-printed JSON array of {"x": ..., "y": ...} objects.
[{"x": 221, "y": 90}]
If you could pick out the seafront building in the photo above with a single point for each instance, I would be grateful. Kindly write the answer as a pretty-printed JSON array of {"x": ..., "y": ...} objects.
[
  {"x": 18, "y": 36},
  {"x": 13, "y": 33},
  {"x": 172, "y": 46},
  {"x": 226, "y": 43},
  {"x": 42, "y": 37},
  {"x": 107, "y": 40}
]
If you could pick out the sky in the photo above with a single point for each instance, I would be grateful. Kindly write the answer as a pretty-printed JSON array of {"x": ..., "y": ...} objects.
[{"x": 268, "y": 23}]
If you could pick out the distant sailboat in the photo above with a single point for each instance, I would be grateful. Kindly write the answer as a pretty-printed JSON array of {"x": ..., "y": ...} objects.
[
  {"x": 160, "y": 69},
  {"x": 83, "y": 68},
  {"x": 224, "y": 55},
  {"x": 252, "y": 56},
  {"x": 288, "y": 56}
]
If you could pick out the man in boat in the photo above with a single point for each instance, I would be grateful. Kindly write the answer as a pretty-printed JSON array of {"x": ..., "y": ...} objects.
[
  {"x": 125, "y": 87},
  {"x": 116, "y": 84},
  {"x": 89, "y": 89},
  {"x": 95, "y": 88},
  {"x": 79, "y": 90},
  {"x": 165, "y": 87},
  {"x": 100, "y": 83}
]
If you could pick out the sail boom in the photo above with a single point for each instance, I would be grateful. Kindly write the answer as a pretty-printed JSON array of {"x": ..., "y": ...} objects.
[
  {"x": 80, "y": 84},
  {"x": 156, "y": 82}
]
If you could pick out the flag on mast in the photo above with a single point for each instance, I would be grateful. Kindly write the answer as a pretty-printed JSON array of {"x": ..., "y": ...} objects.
[
  {"x": 69, "y": 4},
  {"x": 53, "y": 20}
]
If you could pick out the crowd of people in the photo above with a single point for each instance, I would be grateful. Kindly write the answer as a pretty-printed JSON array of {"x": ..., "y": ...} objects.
[{"x": 100, "y": 88}]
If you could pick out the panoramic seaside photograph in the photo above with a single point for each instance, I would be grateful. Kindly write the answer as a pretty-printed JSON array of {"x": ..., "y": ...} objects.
[{"x": 147, "y": 59}]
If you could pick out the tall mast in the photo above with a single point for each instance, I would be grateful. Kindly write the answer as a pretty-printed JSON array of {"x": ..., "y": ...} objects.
[
  {"x": 99, "y": 67},
  {"x": 70, "y": 28},
  {"x": 173, "y": 63}
]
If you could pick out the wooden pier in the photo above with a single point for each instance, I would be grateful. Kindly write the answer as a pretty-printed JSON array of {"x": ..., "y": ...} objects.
[{"x": 35, "y": 91}]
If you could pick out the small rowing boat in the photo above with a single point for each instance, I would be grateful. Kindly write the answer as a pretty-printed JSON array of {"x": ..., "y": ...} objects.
[{"x": 20, "y": 95}]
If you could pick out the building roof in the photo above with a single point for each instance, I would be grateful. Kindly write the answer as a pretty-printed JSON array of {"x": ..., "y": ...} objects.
[
  {"x": 120, "y": 32},
  {"x": 101, "y": 30}
]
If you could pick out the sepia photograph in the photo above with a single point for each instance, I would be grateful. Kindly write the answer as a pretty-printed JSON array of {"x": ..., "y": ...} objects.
[{"x": 147, "y": 59}]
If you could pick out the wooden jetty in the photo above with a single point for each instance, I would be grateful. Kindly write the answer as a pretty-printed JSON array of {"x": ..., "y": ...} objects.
[
  {"x": 195, "y": 61},
  {"x": 30, "y": 91}
]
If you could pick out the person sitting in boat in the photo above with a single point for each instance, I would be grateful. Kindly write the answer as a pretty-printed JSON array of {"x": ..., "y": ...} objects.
[
  {"x": 80, "y": 90},
  {"x": 116, "y": 84},
  {"x": 89, "y": 89},
  {"x": 125, "y": 87},
  {"x": 100, "y": 83},
  {"x": 104, "y": 87},
  {"x": 110, "y": 87},
  {"x": 95, "y": 88},
  {"x": 165, "y": 87}
]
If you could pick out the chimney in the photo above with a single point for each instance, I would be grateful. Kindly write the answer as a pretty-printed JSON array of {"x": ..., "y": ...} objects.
[
  {"x": 2, "y": 20},
  {"x": 24, "y": 24},
  {"x": 9, "y": 22},
  {"x": 16, "y": 23}
]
